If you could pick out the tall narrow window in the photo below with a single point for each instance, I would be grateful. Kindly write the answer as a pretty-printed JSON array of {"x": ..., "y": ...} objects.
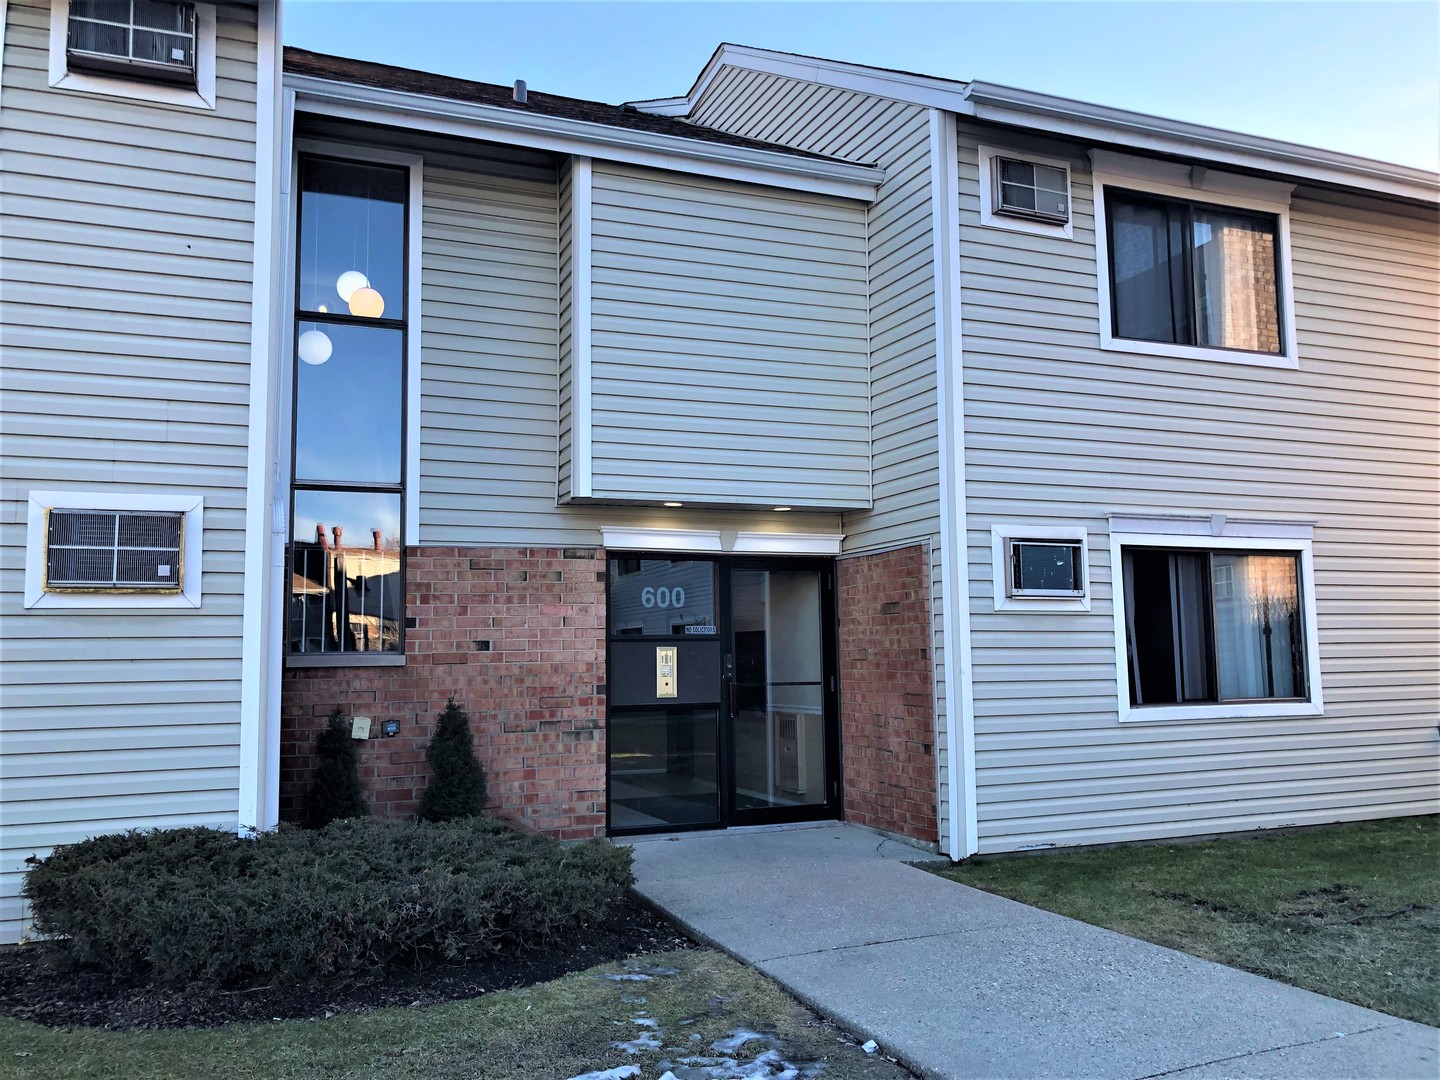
[
  {"x": 347, "y": 482},
  {"x": 1213, "y": 626}
]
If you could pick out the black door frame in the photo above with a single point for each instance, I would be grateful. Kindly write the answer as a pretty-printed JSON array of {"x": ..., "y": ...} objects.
[{"x": 728, "y": 815}]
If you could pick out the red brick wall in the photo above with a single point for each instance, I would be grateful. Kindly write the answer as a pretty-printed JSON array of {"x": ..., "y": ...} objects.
[
  {"x": 517, "y": 636},
  {"x": 887, "y": 714}
]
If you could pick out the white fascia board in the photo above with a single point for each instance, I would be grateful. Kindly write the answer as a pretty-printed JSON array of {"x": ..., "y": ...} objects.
[
  {"x": 1077, "y": 119},
  {"x": 774, "y": 543},
  {"x": 418, "y": 112},
  {"x": 628, "y": 538},
  {"x": 1121, "y": 127}
]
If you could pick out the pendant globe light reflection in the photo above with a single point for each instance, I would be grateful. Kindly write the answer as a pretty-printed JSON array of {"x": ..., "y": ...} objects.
[
  {"x": 367, "y": 303},
  {"x": 347, "y": 284},
  {"x": 315, "y": 347}
]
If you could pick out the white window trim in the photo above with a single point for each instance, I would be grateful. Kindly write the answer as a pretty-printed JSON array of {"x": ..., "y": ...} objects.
[
  {"x": 989, "y": 216},
  {"x": 1212, "y": 534},
  {"x": 200, "y": 96},
  {"x": 999, "y": 534},
  {"x": 192, "y": 506},
  {"x": 1194, "y": 184}
]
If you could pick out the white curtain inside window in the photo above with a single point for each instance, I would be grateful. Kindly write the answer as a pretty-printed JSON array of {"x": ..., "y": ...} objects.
[{"x": 1257, "y": 603}]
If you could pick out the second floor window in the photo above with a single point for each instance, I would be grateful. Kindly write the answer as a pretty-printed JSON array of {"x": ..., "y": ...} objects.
[
  {"x": 1190, "y": 273},
  {"x": 141, "y": 38}
]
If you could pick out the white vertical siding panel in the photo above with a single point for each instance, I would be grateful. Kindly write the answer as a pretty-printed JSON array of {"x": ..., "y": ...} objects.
[
  {"x": 127, "y": 245},
  {"x": 1059, "y": 432}
]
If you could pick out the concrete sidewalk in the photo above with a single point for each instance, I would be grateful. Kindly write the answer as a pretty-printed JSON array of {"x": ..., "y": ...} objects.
[{"x": 958, "y": 983}]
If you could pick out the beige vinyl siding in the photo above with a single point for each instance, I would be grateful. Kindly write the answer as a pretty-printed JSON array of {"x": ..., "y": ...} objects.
[
  {"x": 729, "y": 358},
  {"x": 1059, "y": 433},
  {"x": 900, "y": 243},
  {"x": 127, "y": 249},
  {"x": 491, "y": 346}
]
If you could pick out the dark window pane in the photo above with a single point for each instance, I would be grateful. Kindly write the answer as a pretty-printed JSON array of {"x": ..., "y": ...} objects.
[
  {"x": 346, "y": 590},
  {"x": 1257, "y": 626},
  {"x": 352, "y": 239},
  {"x": 1150, "y": 292},
  {"x": 666, "y": 596},
  {"x": 348, "y": 392},
  {"x": 1166, "y": 627},
  {"x": 178, "y": 18},
  {"x": 107, "y": 10},
  {"x": 1236, "y": 295},
  {"x": 1017, "y": 172},
  {"x": 663, "y": 768},
  {"x": 1012, "y": 195}
]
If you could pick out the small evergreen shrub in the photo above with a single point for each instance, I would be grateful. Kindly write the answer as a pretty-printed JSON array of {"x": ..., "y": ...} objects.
[
  {"x": 457, "y": 779},
  {"x": 201, "y": 905},
  {"x": 335, "y": 792}
]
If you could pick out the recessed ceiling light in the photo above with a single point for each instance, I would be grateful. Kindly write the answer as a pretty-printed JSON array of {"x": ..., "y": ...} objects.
[
  {"x": 672, "y": 504},
  {"x": 781, "y": 509}
]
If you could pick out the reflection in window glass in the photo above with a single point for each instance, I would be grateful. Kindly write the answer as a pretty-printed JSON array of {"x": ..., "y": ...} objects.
[
  {"x": 347, "y": 403},
  {"x": 662, "y": 596},
  {"x": 347, "y": 592},
  {"x": 352, "y": 239}
]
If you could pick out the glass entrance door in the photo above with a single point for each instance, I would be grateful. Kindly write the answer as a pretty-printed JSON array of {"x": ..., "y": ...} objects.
[
  {"x": 721, "y": 691},
  {"x": 781, "y": 710}
]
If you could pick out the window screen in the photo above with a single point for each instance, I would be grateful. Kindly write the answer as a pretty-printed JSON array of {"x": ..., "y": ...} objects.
[
  {"x": 1046, "y": 568},
  {"x": 109, "y": 549}
]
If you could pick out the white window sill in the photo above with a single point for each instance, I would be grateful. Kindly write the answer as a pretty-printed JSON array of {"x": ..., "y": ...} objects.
[
  {"x": 1197, "y": 352},
  {"x": 1277, "y": 710},
  {"x": 1042, "y": 603}
]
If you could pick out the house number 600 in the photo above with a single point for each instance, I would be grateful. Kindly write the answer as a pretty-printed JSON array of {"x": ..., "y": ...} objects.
[{"x": 662, "y": 597}]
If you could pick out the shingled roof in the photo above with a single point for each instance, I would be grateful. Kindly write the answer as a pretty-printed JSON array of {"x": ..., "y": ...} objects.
[{"x": 387, "y": 77}]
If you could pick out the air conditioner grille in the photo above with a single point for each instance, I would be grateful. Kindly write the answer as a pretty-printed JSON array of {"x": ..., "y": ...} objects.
[{"x": 114, "y": 549}]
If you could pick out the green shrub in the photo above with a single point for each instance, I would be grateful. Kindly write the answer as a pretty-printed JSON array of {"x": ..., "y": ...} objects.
[
  {"x": 295, "y": 905},
  {"x": 457, "y": 779},
  {"x": 335, "y": 792}
]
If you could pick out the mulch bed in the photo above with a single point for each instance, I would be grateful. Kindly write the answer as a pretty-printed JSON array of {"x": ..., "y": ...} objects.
[{"x": 31, "y": 989}]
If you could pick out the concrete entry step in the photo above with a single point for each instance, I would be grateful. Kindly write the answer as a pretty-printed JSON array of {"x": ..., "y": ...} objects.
[{"x": 955, "y": 982}]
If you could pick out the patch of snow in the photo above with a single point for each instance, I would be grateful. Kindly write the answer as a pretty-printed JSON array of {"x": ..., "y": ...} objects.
[
  {"x": 645, "y": 1021},
  {"x": 629, "y": 976},
  {"x": 646, "y": 1040},
  {"x": 620, "y": 1072},
  {"x": 737, "y": 1038}
]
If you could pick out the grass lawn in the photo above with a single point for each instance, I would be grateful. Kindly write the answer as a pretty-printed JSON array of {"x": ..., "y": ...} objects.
[
  {"x": 1352, "y": 911},
  {"x": 684, "y": 1003}
]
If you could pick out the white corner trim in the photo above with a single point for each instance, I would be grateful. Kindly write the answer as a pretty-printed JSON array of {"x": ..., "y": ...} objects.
[
  {"x": 582, "y": 420},
  {"x": 192, "y": 550},
  {"x": 1289, "y": 356},
  {"x": 775, "y": 543},
  {"x": 1018, "y": 531},
  {"x": 259, "y": 796},
  {"x": 1201, "y": 533},
  {"x": 626, "y": 538},
  {"x": 511, "y": 127},
  {"x": 963, "y": 837},
  {"x": 4, "y": 14},
  {"x": 201, "y": 96},
  {"x": 1059, "y": 230}
]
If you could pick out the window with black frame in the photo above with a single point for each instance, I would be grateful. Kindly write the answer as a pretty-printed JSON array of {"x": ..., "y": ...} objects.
[
  {"x": 1213, "y": 626},
  {"x": 1188, "y": 273},
  {"x": 347, "y": 479}
]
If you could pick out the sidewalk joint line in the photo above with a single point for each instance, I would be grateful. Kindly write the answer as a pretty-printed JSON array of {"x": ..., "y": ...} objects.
[
  {"x": 867, "y": 944},
  {"x": 1267, "y": 1050}
]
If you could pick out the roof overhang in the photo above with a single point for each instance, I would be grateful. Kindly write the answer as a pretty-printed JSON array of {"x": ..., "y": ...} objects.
[
  {"x": 1075, "y": 119},
  {"x": 420, "y": 112}
]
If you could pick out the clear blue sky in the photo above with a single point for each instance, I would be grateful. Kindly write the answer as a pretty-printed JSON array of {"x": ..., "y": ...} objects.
[{"x": 1363, "y": 78}]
